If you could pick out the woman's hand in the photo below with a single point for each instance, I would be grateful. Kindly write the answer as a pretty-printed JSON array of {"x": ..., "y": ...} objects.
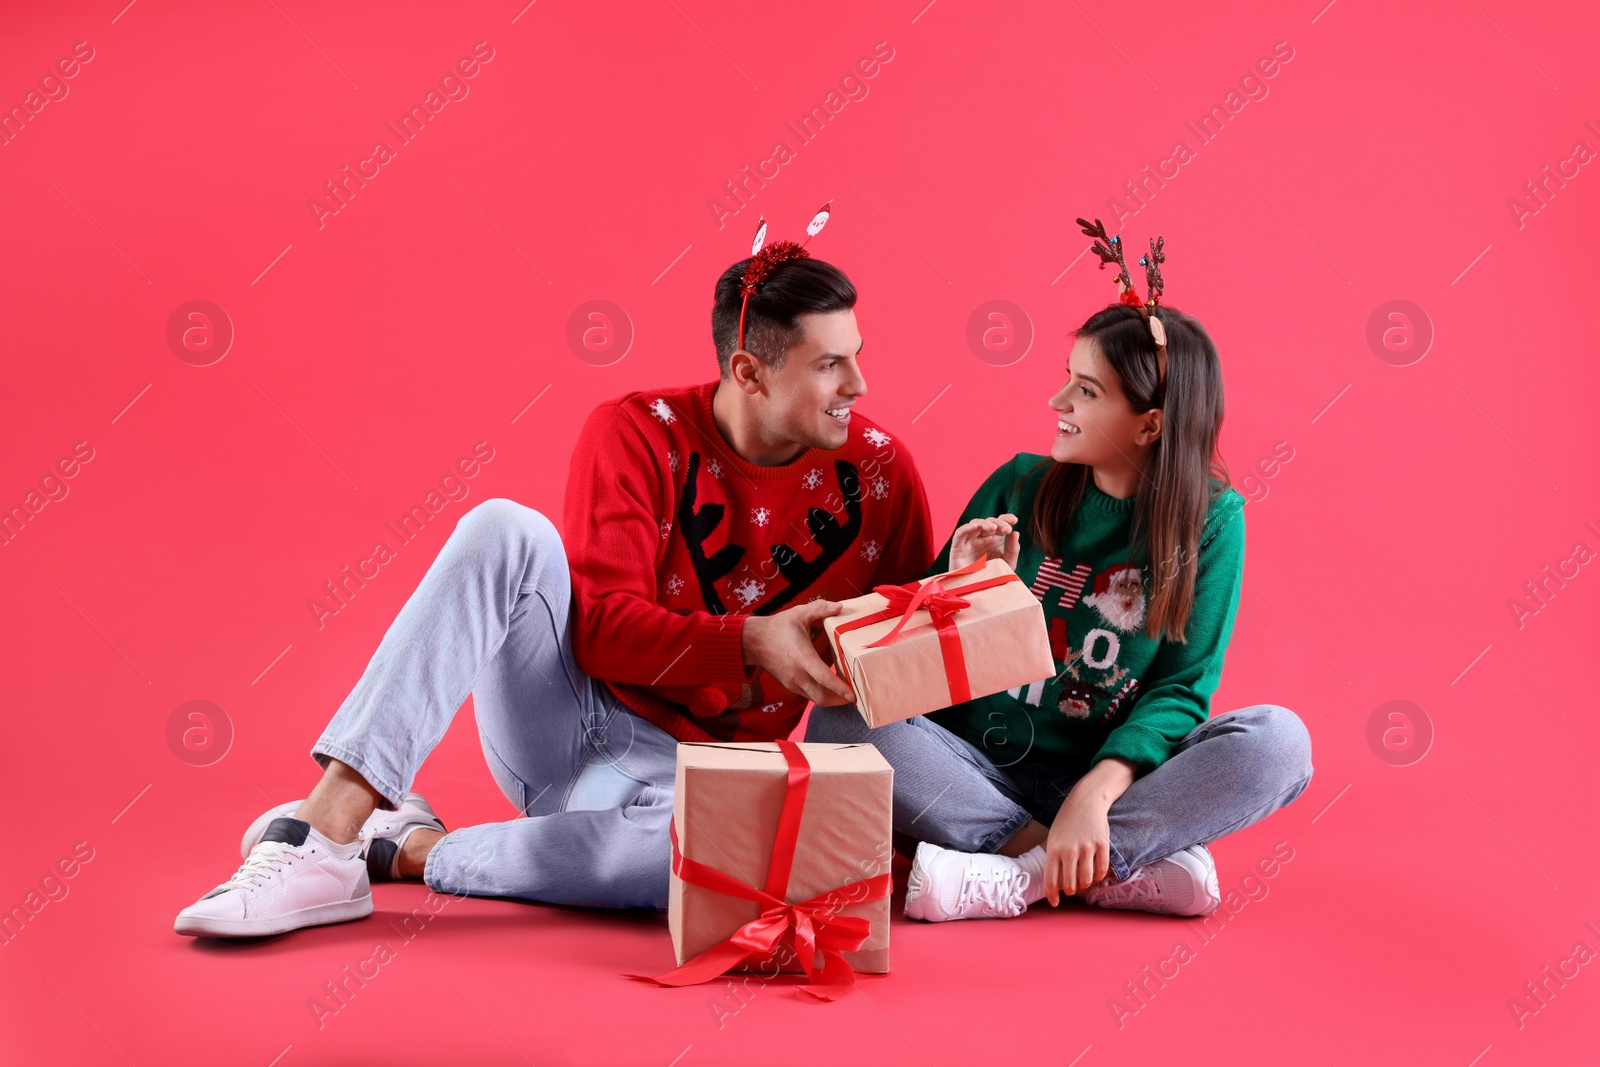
[
  {"x": 1078, "y": 850},
  {"x": 986, "y": 539}
]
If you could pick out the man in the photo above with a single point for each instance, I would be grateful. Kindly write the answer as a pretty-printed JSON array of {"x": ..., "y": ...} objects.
[{"x": 708, "y": 531}]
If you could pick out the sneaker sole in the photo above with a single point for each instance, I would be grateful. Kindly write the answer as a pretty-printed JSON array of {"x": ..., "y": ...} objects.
[
  {"x": 917, "y": 880},
  {"x": 317, "y": 915}
]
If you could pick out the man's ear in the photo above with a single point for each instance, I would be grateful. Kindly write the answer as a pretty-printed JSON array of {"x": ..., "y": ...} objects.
[
  {"x": 1149, "y": 428},
  {"x": 746, "y": 370}
]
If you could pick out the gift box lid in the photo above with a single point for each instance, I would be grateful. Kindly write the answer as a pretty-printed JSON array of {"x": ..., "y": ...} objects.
[{"x": 764, "y": 755}]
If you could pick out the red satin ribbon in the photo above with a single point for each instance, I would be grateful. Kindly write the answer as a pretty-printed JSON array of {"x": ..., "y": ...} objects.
[
  {"x": 819, "y": 931},
  {"x": 941, "y": 604}
]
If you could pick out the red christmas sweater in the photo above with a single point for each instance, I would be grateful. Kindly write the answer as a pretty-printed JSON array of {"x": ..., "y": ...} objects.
[{"x": 673, "y": 541}]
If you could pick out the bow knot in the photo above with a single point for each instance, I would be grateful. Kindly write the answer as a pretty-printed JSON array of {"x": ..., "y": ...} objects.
[
  {"x": 818, "y": 927},
  {"x": 940, "y": 604}
]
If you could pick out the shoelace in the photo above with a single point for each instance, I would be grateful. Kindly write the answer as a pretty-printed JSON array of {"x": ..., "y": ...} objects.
[
  {"x": 997, "y": 893},
  {"x": 265, "y": 859},
  {"x": 1144, "y": 887}
]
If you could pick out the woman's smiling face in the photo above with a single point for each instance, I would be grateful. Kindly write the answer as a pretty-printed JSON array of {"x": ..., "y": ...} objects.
[{"x": 1095, "y": 424}]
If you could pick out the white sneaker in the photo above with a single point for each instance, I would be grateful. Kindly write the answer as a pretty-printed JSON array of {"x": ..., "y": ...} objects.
[
  {"x": 1185, "y": 883},
  {"x": 946, "y": 884},
  {"x": 385, "y": 833},
  {"x": 382, "y": 835},
  {"x": 293, "y": 877},
  {"x": 252, "y": 836}
]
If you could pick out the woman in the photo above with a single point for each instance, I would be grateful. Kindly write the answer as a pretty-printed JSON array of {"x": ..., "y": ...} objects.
[{"x": 1105, "y": 781}]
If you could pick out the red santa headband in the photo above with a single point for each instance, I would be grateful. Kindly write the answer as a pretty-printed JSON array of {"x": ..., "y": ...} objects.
[
  {"x": 1109, "y": 249},
  {"x": 767, "y": 257}
]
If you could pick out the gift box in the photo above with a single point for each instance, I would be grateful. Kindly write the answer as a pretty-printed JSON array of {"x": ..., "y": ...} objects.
[
  {"x": 780, "y": 862},
  {"x": 908, "y": 650}
]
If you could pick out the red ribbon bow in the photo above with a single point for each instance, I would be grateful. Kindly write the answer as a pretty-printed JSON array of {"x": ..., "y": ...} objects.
[
  {"x": 932, "y": 597},
  {"x": 819, "y": 931}
]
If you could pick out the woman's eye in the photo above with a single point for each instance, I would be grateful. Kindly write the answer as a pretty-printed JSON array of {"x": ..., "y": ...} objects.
[{"x": 1086, "y": 390}]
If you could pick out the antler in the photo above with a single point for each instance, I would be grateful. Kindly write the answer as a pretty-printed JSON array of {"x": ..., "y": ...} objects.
[
  {"x": 1151, "y": 262},
  {"x": 832, "y": 537},
  {"x": 1109, "y": 249}
]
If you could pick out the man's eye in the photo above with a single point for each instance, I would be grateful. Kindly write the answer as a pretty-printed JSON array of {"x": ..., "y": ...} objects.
[{"x": 832, "y": 363}]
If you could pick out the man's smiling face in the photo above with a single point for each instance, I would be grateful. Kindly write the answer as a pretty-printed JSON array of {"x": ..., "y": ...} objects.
[{"x": 810, "y": 396}]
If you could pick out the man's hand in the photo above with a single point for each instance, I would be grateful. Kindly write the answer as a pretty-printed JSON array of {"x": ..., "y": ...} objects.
[
  {"x": 986, "y": 539},
  {"x": 782, "y": 646}
]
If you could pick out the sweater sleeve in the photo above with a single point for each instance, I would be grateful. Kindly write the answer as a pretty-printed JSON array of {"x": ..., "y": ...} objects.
[
  {"x": 1182, "y": 677},
  {"x": 908, "y": 552},
  {"x": 615, "y": 505}
]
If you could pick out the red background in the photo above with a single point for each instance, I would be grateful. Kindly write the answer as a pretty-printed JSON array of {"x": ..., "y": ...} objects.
[{"x": 427, "y": 314}]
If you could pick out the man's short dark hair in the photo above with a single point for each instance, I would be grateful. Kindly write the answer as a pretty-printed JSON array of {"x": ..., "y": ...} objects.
[{"x": 771, "y": 328}]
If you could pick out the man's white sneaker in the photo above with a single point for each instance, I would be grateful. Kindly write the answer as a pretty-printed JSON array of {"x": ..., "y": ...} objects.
[
  {"x": 382, "y": 835},
  {"x": 252, "y": 836},
  {"x": 946, "y": 884},
  {"x": 385, "y": 834},
  {"x": 1185, "y": 883},
  {"x": 293, "y": 877}
]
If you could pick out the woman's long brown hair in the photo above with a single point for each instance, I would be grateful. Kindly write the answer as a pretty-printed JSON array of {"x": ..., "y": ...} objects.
[{"x": 1185, "y": 474}]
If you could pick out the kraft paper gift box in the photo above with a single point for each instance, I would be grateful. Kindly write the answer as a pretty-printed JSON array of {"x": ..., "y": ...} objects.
[
  {"x": 942, "y": 653},
  {"x": 739, "y": 810}
]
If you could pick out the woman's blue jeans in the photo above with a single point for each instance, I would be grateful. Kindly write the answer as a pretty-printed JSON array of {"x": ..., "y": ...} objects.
[{"x": 1230, "y": 771}]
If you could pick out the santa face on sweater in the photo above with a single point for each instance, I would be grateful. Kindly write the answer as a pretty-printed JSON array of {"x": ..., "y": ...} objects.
[
  {"x": 806, "y": 402},
  {"x": 1119, "y": 597}
]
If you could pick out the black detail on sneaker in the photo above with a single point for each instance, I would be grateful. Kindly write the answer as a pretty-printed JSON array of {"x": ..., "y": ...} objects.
[
  {"x": 380, "y": 856},
  {"x": 220, "y": 889},
  {"x": 289, "y": 831}
]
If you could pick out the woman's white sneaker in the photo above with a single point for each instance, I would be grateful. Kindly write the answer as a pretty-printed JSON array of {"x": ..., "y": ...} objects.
[
  {"x": 946, "y": 884},
  {"x": 293, "y": 877},
  {"x": 1185, "y": 883}
]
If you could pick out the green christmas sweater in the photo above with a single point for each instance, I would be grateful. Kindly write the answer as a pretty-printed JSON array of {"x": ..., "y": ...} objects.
[{"x": 1116, "y": 692}]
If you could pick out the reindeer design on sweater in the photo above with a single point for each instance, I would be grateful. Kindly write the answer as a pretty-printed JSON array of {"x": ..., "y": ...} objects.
[{"x": 832, "y": 538}]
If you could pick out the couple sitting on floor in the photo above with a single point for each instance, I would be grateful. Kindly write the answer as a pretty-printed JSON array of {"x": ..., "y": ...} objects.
[{"x": 708, "y": 532}]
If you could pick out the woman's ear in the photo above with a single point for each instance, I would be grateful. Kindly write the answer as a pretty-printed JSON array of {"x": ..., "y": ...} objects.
[{"x": 1149, "y": 431}]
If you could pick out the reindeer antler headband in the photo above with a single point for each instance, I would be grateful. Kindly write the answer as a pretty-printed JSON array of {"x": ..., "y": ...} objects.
[
  {"x": 768, "y": 257},
  {"x": 1109, "y": 249}
]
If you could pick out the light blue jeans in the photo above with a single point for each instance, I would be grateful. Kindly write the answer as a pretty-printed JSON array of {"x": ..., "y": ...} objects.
[
  {"x": 592, "y": 781},
  {"x": 1230, "y": 771}
]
